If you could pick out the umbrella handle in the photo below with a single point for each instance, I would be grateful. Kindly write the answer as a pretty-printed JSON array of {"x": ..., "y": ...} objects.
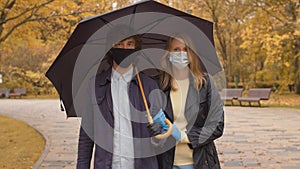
[
  {"x": 150, "y": 120},
  {"x": 168, "y": 133}
]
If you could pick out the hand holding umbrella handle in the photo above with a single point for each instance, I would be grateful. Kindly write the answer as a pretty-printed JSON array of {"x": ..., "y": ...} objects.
[
  {"x": 166, "y": 134},
  {"x": 150, "y": 120}
]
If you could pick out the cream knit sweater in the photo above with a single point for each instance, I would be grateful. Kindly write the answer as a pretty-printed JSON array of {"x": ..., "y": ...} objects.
[{"x": 183, "y": 154}]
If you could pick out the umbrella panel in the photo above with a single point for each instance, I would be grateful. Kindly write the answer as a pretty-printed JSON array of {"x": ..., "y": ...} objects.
[{"x": 146, "y": 22}]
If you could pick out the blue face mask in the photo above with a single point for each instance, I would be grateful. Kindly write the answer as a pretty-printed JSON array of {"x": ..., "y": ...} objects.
[{"x": 179, "y": 59}]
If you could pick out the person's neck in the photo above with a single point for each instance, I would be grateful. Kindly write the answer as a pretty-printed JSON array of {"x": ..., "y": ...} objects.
[
  {"x": 120, "y": 69},
  {"x": 180, "y": 74}
]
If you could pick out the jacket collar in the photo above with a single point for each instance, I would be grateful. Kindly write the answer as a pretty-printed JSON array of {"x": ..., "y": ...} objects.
[
  {"x": 104, "y": 77},
  {"x": 127, "y": 76}
]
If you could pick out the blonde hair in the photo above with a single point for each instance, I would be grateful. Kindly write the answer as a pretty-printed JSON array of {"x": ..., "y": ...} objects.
[{"x": 194, "y": 64}]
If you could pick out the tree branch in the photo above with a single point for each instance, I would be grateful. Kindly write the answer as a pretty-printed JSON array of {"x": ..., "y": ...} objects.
[
  {"x": 15, "y": 27},
  {"x": 34, "y": 8},
  {"x": 33, "y": 16}
]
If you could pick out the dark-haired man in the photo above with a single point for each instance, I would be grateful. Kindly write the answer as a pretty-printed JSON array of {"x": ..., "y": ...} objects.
[{"x": 117, "y": 125}]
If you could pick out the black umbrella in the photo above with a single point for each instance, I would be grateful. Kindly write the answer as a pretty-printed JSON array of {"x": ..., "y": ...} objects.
[{"x": 154, "y": 22}]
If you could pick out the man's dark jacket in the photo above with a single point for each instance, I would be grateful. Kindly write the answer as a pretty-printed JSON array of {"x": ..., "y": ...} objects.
[{"x": 98, "y": 123}]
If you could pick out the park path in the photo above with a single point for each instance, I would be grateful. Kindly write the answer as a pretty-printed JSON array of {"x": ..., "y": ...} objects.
[
  {"x": 61, "y": 133},
  {"x": 253, "y": 137}
]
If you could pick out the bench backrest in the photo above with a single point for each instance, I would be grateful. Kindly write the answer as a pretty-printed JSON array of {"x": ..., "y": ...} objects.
[
  {"x": 235, "y": 93},
  {"x": 263, "y": 93},
  {"x": 20, "y": 90},
  {"x": 3, "y": 90}
]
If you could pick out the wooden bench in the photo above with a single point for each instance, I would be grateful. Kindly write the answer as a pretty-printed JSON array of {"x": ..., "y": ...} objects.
[
  {"x": 18, "y": 92},
  {"x": 229, "y": 94},
  {"x": 256, "y": 95}
]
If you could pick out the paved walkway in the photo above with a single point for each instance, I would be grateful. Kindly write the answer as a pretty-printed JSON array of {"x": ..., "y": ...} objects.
[{"x": 253, "y": 137}]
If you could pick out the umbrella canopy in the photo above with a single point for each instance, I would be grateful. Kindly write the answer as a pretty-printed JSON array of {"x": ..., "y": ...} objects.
[{"x": 152, "y": 21}]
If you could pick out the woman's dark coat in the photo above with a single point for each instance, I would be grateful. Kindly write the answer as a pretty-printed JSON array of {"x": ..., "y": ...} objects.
[
  {"x": 97, "y": 126},
  {"x": 205, "y": 116}
]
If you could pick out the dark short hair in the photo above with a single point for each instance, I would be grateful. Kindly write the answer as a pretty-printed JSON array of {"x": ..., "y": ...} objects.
[
  {"x": 137, "y": 39},
  {"x": 120, "y": 33}
]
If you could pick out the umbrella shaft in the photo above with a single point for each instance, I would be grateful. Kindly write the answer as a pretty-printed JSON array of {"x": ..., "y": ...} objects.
[{"x": 150, "y": 120}]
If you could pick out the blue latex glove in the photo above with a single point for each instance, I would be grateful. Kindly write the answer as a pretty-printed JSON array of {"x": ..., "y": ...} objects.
[
  {"x": 160, "y": 118},
  {"x": 176, "y": 133}
]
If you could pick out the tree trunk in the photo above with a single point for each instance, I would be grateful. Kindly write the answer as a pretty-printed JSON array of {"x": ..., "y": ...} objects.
[
  {"x": 297, "y": 82},
  {"x": 297, "y": 88},
  {"x": 297, "y": 77}
]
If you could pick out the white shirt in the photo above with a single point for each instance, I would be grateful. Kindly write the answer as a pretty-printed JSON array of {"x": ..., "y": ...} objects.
[{"x": 123, "y": 151}]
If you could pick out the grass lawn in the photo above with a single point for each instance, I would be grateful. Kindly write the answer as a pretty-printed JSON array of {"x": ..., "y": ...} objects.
[
  {"x": 20, "y": 144},
  {"x": 289, "y": 100}
]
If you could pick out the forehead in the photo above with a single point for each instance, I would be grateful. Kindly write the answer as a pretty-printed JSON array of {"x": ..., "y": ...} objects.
[
  {"x": 131, "y": 39},
  {"x": 177, "y": 42}
]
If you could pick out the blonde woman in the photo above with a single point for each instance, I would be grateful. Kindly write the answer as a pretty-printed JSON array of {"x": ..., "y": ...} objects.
[{"x": 193, "y": 105}]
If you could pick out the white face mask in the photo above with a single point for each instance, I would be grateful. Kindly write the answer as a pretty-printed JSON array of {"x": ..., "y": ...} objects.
[{"x": 179, "y": 59}]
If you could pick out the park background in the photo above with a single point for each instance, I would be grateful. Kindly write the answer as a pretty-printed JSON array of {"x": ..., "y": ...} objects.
[{"x": 257, "y": 41}]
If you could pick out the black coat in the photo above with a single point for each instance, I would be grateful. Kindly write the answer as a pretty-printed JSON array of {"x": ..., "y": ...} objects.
[
  {"x": 97, "y": 126},
  {"x": 205, "y": 115}
]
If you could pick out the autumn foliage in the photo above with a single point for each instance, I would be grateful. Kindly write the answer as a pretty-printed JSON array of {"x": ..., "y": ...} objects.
[{"x": 257, "y": 41}]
